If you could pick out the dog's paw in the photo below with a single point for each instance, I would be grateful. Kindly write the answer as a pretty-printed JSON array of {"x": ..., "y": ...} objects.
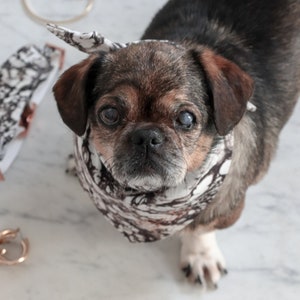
[
  {"x": 71, "y": 165},
  {"x": 201, "y": 260}
]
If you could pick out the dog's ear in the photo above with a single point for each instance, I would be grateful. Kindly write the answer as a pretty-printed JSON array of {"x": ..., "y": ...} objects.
[
  {"x": 231, "y": 88},
  {"x": 70, "y": 94}
]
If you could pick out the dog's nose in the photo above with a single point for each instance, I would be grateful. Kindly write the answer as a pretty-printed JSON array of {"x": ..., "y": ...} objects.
[{"x": 147, "y": 137}]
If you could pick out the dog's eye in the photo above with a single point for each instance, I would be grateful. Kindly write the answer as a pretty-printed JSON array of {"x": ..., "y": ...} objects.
[
  {"x": 186, "y": 120},
  {"x": 109, "y": 116}
]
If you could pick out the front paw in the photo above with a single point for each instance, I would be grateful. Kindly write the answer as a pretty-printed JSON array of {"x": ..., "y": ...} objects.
[{"x": 202, "y": 261}]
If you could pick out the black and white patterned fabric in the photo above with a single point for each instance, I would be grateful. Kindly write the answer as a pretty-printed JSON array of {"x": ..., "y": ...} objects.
[
  {"x": 150, "y": 216},
  {"x": 20, "y": 76},
  {"x": 92, "y": 42},
  {"x": 86, "y": 42}
]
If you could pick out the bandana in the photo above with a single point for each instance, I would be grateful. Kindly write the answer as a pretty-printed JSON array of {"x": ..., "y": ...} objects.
[
  {"x": 150, "y": 216},
  {"x": 93, "y": 42},
  {"x": 144, "y": 216},
  {"x": 25, "y": 77}
]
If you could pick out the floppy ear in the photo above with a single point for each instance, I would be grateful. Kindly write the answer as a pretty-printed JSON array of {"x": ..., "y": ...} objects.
[
  {"x": 231, "y": 88},
  {"x": 70, "y": 95}
]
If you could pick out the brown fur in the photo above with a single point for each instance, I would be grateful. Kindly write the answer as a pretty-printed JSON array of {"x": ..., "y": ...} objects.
[
  {"x": 231, "y": 88},
  {"x": 226, "y": 54},
  {"x": 70, "y": 92}
]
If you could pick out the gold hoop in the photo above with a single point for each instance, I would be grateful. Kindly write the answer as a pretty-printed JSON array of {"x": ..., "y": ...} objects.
[
  {"x": 37, "y": 18},
  {"x": 11, "y": 234}
]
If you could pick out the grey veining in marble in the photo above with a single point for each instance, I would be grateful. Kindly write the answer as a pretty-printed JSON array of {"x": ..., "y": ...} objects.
[{"x": 76, "y": 254}]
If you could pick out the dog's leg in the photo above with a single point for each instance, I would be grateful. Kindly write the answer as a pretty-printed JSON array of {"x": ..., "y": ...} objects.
[{"x": 201, "y": 259}]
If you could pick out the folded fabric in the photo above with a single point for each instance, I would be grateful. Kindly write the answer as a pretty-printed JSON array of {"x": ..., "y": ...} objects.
[{"x": 25, "y": 77}]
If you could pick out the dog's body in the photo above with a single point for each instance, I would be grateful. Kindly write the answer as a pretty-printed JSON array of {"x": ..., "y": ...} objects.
[
  {"x": 262, "y": 37},
  {"x": 227, "y": 52}
]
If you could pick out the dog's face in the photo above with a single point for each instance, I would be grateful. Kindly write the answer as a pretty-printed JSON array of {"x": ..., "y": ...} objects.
[{"x": 154, "y": 108}]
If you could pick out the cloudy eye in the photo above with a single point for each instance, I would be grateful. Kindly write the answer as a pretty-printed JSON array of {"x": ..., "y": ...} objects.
[
  {"x": 186, "y": 120},
  {"x": 109, "y": 116}
]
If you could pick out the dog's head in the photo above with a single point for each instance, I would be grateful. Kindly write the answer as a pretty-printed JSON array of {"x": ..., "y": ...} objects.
[{"x": 154, "y": 108}]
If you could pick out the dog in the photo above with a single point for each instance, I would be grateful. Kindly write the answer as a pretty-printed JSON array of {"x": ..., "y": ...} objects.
[{"x": 155, "y": 109}]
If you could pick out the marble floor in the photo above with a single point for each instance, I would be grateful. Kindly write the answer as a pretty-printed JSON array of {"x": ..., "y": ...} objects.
[{"x": 76, "y": 254}]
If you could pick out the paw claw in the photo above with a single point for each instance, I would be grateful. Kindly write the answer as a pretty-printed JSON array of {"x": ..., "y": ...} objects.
[
  {"x": 198, "y": 280},
  {"x": 202, "y": 260},
  {"x": 187, "y": 270},
  {"x": 222, "y": 269},
  {"x": 224, "y": 272}
]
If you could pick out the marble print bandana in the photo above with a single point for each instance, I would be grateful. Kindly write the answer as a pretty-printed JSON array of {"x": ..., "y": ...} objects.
[
  {"x": 92, "y": 42},
  {"x": 25, "y": 77},
  {"x": 150, "y": 216}
]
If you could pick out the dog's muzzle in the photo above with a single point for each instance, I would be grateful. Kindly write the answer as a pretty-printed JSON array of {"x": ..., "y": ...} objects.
[{"x": 148, "y": 216}]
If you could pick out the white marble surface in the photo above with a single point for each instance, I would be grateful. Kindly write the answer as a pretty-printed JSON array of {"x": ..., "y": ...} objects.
[{"x": 76, "y": 254}]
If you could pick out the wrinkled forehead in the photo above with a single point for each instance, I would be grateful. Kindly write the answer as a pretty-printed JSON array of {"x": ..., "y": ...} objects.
[
  {"x": 147, "y": 66},
  {"x": 151, "y": 50}
]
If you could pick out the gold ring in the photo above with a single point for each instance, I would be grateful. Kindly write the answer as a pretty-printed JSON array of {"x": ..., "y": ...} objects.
[
  {"x": 5, "y": 237},
  {"x": 37, "y": 18}
]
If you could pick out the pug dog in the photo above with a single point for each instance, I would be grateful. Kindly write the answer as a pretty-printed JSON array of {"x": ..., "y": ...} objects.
[{"x": 155, "y": 109}]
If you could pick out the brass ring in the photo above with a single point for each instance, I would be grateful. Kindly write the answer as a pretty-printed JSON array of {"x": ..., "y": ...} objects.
[
  {"x": 11, "y": 234},
  {"x": 37, "y": 18}
]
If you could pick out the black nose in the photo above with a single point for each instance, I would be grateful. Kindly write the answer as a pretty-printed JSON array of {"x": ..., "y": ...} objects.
[{"x": 147, "y": 137}]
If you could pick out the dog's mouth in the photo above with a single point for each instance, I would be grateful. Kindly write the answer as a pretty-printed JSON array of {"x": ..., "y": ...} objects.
[
  {"x": 146, "y": 158},
  {"x": 149, "y": 172}
]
